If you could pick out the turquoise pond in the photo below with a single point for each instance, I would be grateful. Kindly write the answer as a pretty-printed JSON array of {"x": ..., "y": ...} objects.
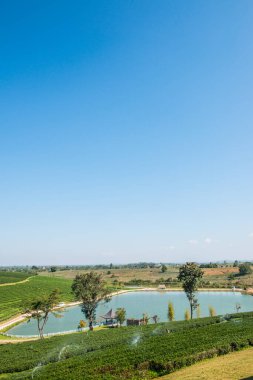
[{"x": 139, "y": 302}]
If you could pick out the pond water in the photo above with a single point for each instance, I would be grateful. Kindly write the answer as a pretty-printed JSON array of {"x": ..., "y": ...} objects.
[{"x": 139, "y": 302}]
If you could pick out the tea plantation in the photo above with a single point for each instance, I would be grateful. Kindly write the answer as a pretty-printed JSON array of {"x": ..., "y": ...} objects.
[
  {"x": 12, "y": 277},
  {"x": 13, "y": 297},
  {"x": 134, "y": 353}
]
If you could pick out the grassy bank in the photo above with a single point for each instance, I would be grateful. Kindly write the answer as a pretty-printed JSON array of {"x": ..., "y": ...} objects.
[{"x": 234, "y": 366}]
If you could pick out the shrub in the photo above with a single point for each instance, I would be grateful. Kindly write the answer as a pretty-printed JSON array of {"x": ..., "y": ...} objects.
[
  {"x": 212, "y": 311},
  {"x": 245, "y": 269},
  {"x": 187, "y": 315}
]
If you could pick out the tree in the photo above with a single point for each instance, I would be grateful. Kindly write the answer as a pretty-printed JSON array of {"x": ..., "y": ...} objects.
[
  {"x": 163, "y": 268},
  {"x": 198, "y": 311},
  {"x": 187, "y": 315},
  {"x": 171, "y": 312},
  {"x": 245, "y": 269},
  {"x": 236, "y": 263},
  {"x": 121, "y": 315},
  {"x": 82, "y": 324},
  {"x": 155, "y": 318},
  {"x": 238, "y": 307},
  {"x": 212, "y": 311},
  {"x": 53, "y": 269},
  {"x": 41, "y": 308},
  {"x": 190, "y": 275},
  {"x": 231, "y": 276},
  {"x": 90, "y": 289},
  {"x": 145, "y": 318}
]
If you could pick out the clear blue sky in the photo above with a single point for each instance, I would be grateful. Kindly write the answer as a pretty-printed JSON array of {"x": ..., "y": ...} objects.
[{"x": 126, "y": 131}]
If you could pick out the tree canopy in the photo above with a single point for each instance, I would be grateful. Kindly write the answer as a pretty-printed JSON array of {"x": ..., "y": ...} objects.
[
  {"x": 121, "y": 315},
  {"x": 245, "y": 269},
  {"x": 90, "y": 289},
  {"x": 190, "y": 275},
  {"x": 40, "y": 309}
]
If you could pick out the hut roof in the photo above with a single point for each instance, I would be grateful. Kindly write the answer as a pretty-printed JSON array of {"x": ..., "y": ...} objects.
[{"x": 109, "y": 315}]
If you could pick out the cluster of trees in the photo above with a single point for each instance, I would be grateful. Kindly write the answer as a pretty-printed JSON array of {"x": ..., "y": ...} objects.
[
  {"x": 244, "y": 269},
  {"x": 209, "y": 265},
  {"x": 187, "y": 315}
]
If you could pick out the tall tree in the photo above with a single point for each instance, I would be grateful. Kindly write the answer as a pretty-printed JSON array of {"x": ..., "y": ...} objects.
[
  {"x": 90, "y": 289},
  {"x": 40, "y": 309},
  {"x": 198, "y": 312},
  {"x": 187, "y": 315},
  {"x": 212, "y": 311},
  {"x": 190, "y": 275},
  {"x": 171, "y": 312}
]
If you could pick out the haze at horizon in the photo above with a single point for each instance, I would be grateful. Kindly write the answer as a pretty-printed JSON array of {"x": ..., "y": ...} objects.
[{"x": 126, "y": 131}]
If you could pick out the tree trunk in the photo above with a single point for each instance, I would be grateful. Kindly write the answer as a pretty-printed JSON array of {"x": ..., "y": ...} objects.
[
  {"x": 40, "y": 329},
  {"x": 90, "y": 324}
]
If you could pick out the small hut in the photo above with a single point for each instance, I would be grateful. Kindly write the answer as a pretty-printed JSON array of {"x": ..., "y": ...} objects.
[
  {"x": 134, "y": 322},
  {"x": 110, "y": 318}
]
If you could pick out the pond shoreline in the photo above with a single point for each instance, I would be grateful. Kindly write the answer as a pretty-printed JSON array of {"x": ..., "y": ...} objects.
[{"x": 6, "y": 325}]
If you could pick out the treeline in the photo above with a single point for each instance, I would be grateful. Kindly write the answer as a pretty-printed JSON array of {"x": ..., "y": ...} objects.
[{"x": 140, "y": 265}]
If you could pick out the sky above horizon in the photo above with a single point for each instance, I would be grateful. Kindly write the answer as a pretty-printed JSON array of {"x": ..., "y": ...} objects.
[{"x": 126, "y": 131}]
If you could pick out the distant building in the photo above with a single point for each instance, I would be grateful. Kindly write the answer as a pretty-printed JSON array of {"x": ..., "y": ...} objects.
[{"x": 162, "y": 287}]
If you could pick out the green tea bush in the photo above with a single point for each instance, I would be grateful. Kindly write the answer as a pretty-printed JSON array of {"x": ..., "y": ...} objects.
[
  {"x": 13, "y": 297},
  {"x": 113, "y": 354}
]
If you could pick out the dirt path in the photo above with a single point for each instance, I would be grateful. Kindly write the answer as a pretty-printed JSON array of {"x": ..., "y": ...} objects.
[
  {"x": 20, "y": 340},
  {"x": 18, "y": 282},
  {"x": 12, "y": 321}
]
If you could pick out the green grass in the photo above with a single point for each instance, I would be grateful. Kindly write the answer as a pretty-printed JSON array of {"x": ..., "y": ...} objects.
[
  {"x": 13, "y": 297},
  {"x": 234, "y": 366},
  {"x": 12, "y": 277},
  {"x": 127, "y": 353}
]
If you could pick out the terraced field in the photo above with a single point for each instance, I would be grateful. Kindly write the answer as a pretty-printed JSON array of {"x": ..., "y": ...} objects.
[
  {"x": 13, "y": 297},
  {"x": 13, "y": 277},
  {"x": 127, "y": 353}
]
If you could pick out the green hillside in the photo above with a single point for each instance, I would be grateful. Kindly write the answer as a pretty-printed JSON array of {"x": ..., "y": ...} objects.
[
  {"x": 128, "y": 352},
  {"x": 12, "y": 277},
  {"x": 13, "y": 297}
]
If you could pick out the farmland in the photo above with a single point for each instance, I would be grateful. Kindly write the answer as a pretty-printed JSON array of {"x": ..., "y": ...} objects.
[
  {"x": 221, "y": 277},
  {"x": 13, "y": 277},
  {"x": 14, "y": 297},
  {"x": 127, "y": 352}
]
